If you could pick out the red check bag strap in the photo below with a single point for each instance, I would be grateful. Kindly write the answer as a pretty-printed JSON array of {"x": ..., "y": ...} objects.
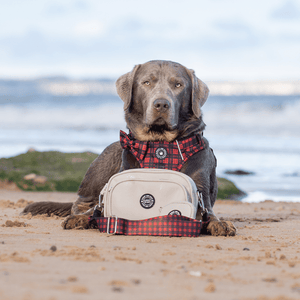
[{"x": 170, "y": 225}]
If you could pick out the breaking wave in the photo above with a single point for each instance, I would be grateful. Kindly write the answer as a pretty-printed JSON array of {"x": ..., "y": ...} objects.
[{"x": 221, "y": 115}]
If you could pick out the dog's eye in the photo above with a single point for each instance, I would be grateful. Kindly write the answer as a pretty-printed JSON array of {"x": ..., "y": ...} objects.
[
  {"x": 178, "y": 85},
  {"x": 147, "y": 82}
]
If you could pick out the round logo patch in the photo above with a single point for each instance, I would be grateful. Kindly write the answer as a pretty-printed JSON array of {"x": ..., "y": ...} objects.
[
  {"x": 147, "y": 201},
  {"x": 174, "y": 212},
  {"x": 161, "y": 153}
]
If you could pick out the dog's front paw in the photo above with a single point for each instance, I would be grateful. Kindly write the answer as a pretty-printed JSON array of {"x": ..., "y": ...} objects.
[
  {"x": 76, "y": 222},
  {"x": 224, "y": 228}
]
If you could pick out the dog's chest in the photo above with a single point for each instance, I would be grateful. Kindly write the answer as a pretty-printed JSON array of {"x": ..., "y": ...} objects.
[{"x": 162, "y": 154}]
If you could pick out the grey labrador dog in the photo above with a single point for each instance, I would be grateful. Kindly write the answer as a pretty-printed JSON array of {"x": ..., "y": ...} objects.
[{"x": 162, "y": 102}]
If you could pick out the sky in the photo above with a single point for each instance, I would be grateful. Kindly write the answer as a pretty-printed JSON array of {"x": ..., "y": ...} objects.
[{"x": 219, "y": 39}]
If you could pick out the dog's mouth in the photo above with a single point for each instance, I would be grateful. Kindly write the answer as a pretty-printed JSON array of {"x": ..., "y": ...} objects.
[
  {"x": 159, "y": 130},
  {"x": 160, "y": 126}
]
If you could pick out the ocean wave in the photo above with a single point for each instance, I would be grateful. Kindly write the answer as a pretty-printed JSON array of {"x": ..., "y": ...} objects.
[
  {"x": 250, "y": 118},
  {"x": 77, "y": 118},
  {"x": 239, "y": 118},
  {"x": 61, "y": 86},
  {"x": 227, "y": 88}
]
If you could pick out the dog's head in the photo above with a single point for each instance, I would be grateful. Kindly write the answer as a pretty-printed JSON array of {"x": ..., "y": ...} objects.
[{"x": 162, "y": 100}]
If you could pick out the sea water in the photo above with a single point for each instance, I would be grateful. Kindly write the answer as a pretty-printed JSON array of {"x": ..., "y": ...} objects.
[{"x": 258, "y": 133}]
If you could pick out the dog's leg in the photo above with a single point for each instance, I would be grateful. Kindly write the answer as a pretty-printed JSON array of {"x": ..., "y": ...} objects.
[
  {"x": 82, "y": 208},
  {"x": 48, "y": 208},
  {"x": 103, "y": 167},
  {"x": 215, "y": 226},
  {"x": 207, "y": 185}
]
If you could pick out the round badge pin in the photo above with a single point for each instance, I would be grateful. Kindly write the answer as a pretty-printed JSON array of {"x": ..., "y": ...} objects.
[
  {"x": 174, "y": 212},
  {"x": 161, "y": 153},
  {"x": 147, "y": 201}
]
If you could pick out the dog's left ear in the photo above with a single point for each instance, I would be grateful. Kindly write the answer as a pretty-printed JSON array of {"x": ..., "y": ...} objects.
[
  {"x": 200, "y": 93},
  {"x": 124, "y": 86}
]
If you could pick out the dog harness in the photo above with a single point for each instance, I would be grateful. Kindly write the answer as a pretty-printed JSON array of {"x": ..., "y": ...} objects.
[{"x": 162, "y": 154}]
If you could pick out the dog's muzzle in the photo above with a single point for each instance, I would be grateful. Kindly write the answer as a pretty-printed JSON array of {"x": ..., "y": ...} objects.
[{"x": 161, "y": 112}]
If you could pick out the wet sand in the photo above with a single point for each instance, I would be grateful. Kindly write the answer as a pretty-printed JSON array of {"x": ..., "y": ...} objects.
[{"x": 40, "y": 260}]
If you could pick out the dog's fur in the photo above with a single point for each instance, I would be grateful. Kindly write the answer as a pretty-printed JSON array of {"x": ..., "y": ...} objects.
[{"x": 162, "y": 101}]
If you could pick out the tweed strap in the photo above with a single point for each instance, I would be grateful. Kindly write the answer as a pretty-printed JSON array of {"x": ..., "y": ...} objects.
[
  {"x": 169, "y": 225},
  {"x": 162, "y": 154}
]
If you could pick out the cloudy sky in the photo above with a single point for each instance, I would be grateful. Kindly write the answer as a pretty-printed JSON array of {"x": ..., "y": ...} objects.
[{"x": 219, "y": 39}]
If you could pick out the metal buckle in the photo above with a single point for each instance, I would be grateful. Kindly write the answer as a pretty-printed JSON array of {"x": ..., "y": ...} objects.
[
  {"x": 101, "y": 195},
  {"x": 100, "y": 205},
  {"x": 200, "y": 198},
  {"x": 108, "y": 224},
  {"x": 100, "y": 200},
  {"x": 201, "y": 203}
]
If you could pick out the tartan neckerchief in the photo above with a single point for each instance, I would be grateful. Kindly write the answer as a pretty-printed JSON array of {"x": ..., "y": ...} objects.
[{"x": 162, "y": 154}]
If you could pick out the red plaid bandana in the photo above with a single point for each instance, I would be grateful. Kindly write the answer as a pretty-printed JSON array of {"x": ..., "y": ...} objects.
[{"x": 162, "y": 154}]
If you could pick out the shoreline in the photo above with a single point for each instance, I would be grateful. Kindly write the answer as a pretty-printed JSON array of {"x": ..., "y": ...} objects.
[
  {"x": 43, "y": 261},
  {"x": 281, "y": 196}
]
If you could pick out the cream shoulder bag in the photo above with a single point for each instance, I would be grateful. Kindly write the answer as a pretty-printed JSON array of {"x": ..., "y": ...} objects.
[
  {"x": 138, "y": 194},
  {"x": 150, "y": 202}
]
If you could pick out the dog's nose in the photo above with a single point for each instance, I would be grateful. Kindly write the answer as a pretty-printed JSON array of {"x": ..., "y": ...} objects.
[{"x": 161, "y": 105}]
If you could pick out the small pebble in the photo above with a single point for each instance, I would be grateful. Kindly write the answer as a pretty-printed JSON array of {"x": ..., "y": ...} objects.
[
  {"x": 195, "y": 273},
  {"x": 92, "y": 246},
  {"x": 53, "y": 248},
  {"x": 72, "y": 278},
  {"x": 272, "y": 279},
  {"x": 292, "y": 264},
  {"x": 3, "y": 242},
  {"x": 246, "y": 249},
  {"x": 117, "y": 289},
  {"x": 183, "y": 268},
  {"x": 267, "y": 254},
  {"x": 210, "y": 288},
  {"x": 218, "y": 247},
  {"x": 63, "y": 281}
]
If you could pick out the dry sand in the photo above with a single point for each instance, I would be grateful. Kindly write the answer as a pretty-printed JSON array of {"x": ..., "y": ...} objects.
[{"x": 40, "y": 260}]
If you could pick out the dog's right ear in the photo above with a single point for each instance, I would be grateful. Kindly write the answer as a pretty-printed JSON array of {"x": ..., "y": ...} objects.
[
  {"x": 200, "y": 93},
  {"x": 124, "y": 86}
]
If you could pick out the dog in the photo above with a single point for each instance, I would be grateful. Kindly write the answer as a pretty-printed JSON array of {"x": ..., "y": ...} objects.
[{"x": 162, "y": 102}]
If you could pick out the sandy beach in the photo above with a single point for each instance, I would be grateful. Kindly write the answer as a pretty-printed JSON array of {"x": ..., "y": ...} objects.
[{"x": 40, "y": 260}]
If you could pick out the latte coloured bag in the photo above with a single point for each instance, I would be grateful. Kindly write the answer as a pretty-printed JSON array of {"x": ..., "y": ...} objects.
[
  {"x": 150, "y": 202},
  {"x": 138, "y": 194}
]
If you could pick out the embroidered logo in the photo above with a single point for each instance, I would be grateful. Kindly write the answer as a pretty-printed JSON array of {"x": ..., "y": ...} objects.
[
  {"x": 174, "y": 212},
  {"x": 147, "y": 201},
  {"x": 161, "y": 153}
]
